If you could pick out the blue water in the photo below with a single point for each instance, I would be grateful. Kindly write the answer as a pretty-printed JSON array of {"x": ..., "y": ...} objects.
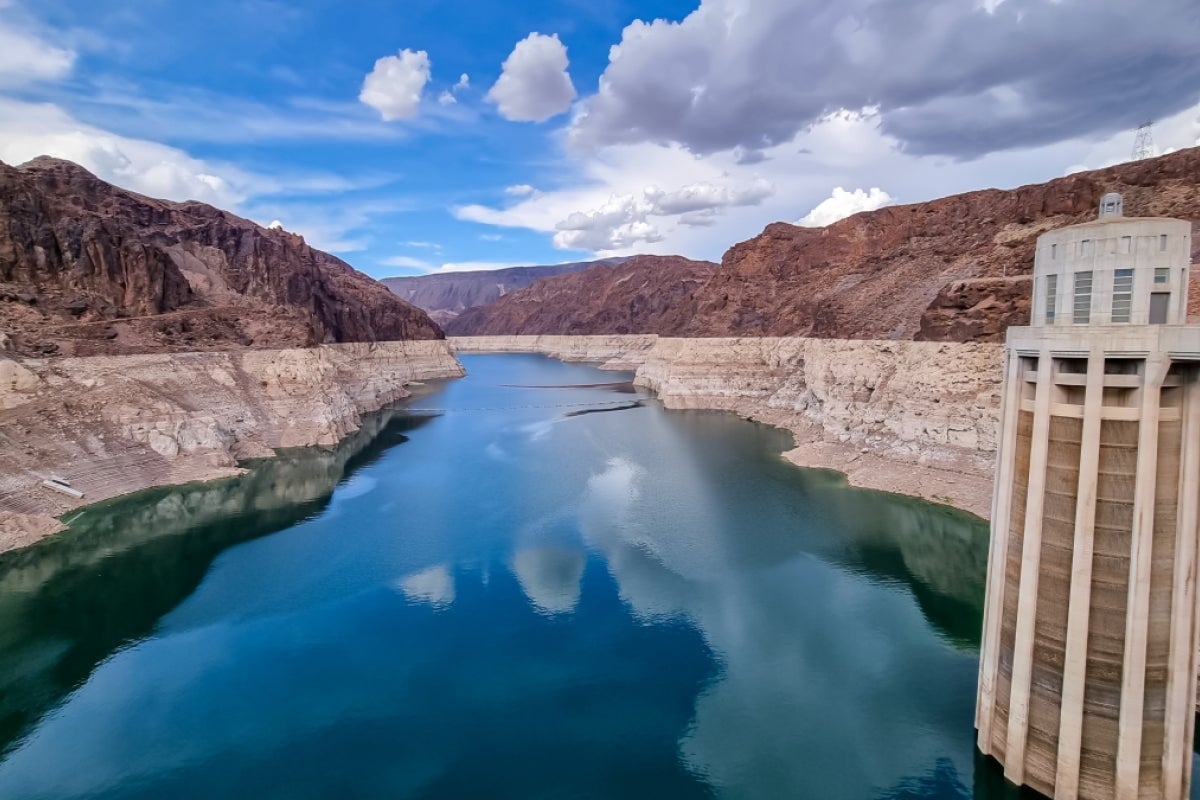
[{"x": 502, "y": 597}]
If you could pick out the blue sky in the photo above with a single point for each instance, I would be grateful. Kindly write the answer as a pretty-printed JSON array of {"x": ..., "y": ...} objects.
[{"x": 583, "y": 128}]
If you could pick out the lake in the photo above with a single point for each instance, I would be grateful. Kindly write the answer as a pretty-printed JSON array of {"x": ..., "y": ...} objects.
[{"x": 533, "y": 582}]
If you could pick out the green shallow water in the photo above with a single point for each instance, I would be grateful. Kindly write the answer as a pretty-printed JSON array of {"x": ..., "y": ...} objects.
[{"x": 524, "y": 602}]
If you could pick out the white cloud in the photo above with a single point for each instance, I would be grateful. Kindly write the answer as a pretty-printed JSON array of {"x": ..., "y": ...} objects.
[
  {"x": 623, "y": 221},
  {"x": 984, "y": 77},
  {"x": 708, "y": 196},
  {"x": 520, "y": 190},
  {"x": 25, "y": 58},
  {"x": 394, "y": 86},
  {"x": 424, "y": 245},
  {"x": 464, "y": 82},
  {"x": 28, "y": 130},
  {"x": 841, "y": 204},
  {"x": 408, "y": 262},
  {"x": 534, "y": 84},
  {"x": 446, "y": 98}
]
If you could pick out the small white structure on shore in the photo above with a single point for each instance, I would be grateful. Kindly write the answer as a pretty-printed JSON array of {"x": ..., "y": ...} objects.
[
  {"x": 1087, "y": 684},
  {"x": 62, "y": 486}
]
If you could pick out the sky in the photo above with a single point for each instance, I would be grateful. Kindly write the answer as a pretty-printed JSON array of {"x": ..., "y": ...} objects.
[{"x": 424, "y": 136}]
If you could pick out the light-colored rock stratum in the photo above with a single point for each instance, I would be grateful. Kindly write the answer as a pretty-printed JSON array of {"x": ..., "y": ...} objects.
[
  {"x": 116, "y": 424},
  {"x": 918, "y": 418}
]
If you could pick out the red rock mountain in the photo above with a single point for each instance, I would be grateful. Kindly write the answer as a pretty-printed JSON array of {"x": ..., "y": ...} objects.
[
  {"x": 953, "y": 269},
  {"x": 446, "y": 295},
  {"x": 86, "y": 268},
  {"x": 635, "y": 296}
]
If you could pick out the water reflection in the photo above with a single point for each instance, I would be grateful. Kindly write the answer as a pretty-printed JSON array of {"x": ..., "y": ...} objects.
[
  {"x": 525, "y": 602},
  {"x": 70, "y": 601}
]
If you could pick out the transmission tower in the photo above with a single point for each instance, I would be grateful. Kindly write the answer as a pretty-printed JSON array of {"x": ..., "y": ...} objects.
[{"x": 1143, "y": 144}]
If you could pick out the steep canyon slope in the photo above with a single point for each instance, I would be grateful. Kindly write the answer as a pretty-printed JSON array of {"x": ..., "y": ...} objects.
[
  {"x": 446, "y": 295},
  {"x": 952, "y": 269},
  {"x": 88, "y": 268},
  {"x": 635, "y": 296}
]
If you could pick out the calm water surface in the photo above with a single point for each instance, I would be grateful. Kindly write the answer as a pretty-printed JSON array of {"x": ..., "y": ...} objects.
[{"x": 532, "y": 592}]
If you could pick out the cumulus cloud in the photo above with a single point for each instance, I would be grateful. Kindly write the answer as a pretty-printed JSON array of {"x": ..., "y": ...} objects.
[
  {"x": 25, "y": 58},
  {"x": 449, "y": 96},
  {"x": 394, "y": 87},
  {"x": 534, "y": 84},
  {"x": 623, "y": 221},
  {"x": 28, "y": 130},
  {"x": 986, "y": 77},
  {"x": 519, "y": 190},
  {"x": 841, "y": 204}
]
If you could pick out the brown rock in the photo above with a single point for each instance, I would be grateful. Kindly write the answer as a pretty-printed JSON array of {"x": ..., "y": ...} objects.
[{"x": 631, "y": 297}]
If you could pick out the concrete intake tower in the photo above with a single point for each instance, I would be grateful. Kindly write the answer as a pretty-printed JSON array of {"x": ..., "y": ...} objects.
[{"x": 1087, "y": 682}]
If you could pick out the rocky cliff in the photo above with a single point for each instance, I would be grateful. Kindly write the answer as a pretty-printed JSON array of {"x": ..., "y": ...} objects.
[
  {"x": 86, "y": 268},
  {"x": 115, "y": 424},
  {"x": 953, "y": 269},
  {"x": 635, "y": 296},
  {"x": 940, "y": 270},
  {"x": 445, "y": 296}
]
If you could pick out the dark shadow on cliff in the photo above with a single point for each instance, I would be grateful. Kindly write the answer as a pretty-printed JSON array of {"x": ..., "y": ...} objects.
[{"x": 70, "y": 601}]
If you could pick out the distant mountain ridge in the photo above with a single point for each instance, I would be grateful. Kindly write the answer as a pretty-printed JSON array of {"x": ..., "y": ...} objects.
[
  {"x": 89, "y": 268},
  {"x": 634, "y": 296},
  {"x": 446, "y": 295}
]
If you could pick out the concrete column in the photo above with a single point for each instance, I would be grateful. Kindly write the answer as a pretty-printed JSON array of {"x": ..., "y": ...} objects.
[
  {"x": 993, "y": 610},
  {"x": 1133, "y": 673},
  {"x": 1070, "y": 730},
  {"x": 1031, "y": 556},
  {"x": 1181, "y": 675}
]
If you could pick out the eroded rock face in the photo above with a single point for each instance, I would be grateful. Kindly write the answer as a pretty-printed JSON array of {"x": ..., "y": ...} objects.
[
  {"x": 88, "y": 268},
  {"x": 902, "y": 272},
  {"x": 445, "y": 296},
  {"x": 636, "y": 296}
]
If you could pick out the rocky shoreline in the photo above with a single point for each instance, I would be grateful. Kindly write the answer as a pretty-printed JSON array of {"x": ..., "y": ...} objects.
[
  {"x": 916, "y": 418},
  {"x": 112, "y": 425}
]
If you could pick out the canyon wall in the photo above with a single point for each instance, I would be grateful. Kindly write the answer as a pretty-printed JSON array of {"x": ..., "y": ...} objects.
[
  {"x": 88, "y": 268},
  {"x": 618, "y": 352},
  {"x": 446, "y": 295},
  {"x": 634, "y": 296},
  {"x": 116, "y": 424}
]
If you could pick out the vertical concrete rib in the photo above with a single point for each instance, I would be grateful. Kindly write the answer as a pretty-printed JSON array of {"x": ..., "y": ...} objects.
[
  {"x": 1022, "y": 669},
  {"x": 1133, "y": 672},
  {"x": 1181, "y": 676},
  {"x": 993, "y": 612},
  {"x": 1070, "y": 733}
]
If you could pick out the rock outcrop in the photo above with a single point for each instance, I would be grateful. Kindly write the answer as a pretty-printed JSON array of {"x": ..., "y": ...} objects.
[
  {"x": 445, "y": 296},
  {"x": 896, "y": 272},
  {"x": 635, "y": 296},
  {"x": 88, "y": 268},
  {"x": 116, "y": 424}
]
